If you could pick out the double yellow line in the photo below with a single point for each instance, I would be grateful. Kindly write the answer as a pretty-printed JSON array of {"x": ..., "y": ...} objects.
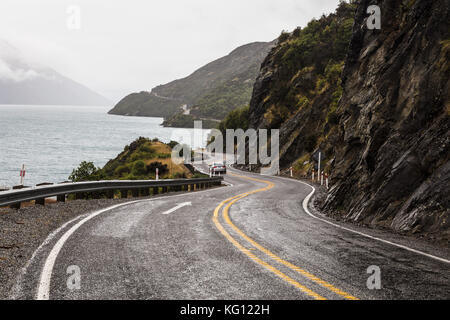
[{"x": 226, "y": 204}]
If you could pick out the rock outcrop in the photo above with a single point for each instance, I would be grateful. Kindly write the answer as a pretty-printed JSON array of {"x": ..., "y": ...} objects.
[
  {"x": 382, "y": 125},
  {"x": 391, "y": 165}
]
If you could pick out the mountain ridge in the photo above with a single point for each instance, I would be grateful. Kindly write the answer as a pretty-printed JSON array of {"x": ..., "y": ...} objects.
[
  {"x": 209, "y": 92},
  {"x": 24, "y": 82}
]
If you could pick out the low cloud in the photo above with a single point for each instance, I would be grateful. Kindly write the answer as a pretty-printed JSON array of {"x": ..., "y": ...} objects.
[
  {"x": 16, "y": 75},
  {"x": 15, "y": 67}
]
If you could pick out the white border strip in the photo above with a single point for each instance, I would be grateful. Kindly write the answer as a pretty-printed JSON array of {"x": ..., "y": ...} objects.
[{"x": 305, "y": 207}]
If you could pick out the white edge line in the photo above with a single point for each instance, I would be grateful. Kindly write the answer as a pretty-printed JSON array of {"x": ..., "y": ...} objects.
[
  {"x": 17, "y": 289},
  {"x": 43, "y": 292},
  {"x": 305, "y": 207}
]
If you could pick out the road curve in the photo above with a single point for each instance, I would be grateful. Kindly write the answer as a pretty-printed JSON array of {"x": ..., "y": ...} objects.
[{"x": 250, "y": 240}]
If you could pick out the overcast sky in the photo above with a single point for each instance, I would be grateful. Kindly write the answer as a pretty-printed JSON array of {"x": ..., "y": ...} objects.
[{"x": 132, "y": 45}]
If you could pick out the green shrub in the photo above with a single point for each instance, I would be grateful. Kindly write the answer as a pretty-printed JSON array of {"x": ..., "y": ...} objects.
[
  {"x": 162, "y": 168},
  {"x": 139, "y": 168},
  {"x": 145, "y": 149},
  {"x": 178, "y": 175},
  {"x": 172, "y": 144},
  {"x": 284, "y": 36},
  {"x": 86, "y": 171},
  {"x": 164, "y": 155},
  {"x": 121, "y": 170}
]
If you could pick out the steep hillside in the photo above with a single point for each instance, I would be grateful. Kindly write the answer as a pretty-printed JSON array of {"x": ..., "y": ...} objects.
[
  {"x": 138, "y": 161},
  {"x": 383, "y": 126},
  {"x": 299, "y": 86},
  {"x": 391, "y": 164},
  {"x": 146, "y": 104},
  {"x": 210, "y": 92},
  {"x": 23, "y": 82}
]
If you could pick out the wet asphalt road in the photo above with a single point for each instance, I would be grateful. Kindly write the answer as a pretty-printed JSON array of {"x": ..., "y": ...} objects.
[{"x": 269, "y": 248}]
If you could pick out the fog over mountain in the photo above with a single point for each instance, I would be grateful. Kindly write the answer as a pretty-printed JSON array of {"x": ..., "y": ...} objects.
[{"x": 23, "y": 81}]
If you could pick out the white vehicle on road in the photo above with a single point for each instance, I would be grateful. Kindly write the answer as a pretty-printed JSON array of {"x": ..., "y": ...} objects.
[{"x": 218, "y": 168}]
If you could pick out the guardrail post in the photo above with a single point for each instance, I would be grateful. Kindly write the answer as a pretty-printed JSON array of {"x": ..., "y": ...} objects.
[
  {"x": 155, "y": 190},
  {"x": 165, "y": 189},
  {"x": 135, "y": 193},
  {"x": 96, "y": 195},
  {"x": 40, "y": 201},
  {"x": 61, "y": 198},
  {"x": 16, "y": 206},
  {"x": 145, "y": 192},
  {"x": 110, "y": 194},
  {"x": 79, "y": 196},
  {"x": 123, "y": 194}
]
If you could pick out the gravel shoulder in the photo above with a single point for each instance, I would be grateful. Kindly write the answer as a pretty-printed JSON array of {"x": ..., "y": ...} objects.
[{"x": 23, "y": 231}]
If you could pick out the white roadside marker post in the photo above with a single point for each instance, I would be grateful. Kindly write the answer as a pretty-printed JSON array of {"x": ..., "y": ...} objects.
[
  {"x": 157, "y": 174},
  {"x": 321, "y": 178},
  {"x": 290, "y": 169},
  {"x": 22, "y": 175}
]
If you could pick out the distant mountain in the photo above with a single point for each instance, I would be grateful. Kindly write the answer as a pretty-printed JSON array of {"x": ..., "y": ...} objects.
[
  {"x": 211, "y": 92},
  {"x": 24, "y": 82}
]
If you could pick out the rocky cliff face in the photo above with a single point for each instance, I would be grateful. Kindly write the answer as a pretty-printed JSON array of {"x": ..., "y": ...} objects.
[
  {"x": 382, "y": 127},
  {"x": 391, "y": 164},
  {"x": 300, "y": 85}
]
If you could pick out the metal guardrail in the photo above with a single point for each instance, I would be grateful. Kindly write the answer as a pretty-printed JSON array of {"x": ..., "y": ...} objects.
[{"x": 14, "y": 198}]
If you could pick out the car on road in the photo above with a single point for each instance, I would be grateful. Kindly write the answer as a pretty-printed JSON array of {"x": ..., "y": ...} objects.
[{"x": 218, "y": 168}]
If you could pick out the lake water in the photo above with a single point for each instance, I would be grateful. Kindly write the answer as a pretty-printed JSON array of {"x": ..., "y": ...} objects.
[{"x": 51, "y": 141}]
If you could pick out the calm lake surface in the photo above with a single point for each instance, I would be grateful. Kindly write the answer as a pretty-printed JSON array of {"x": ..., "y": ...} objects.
[{"x": 51, "y": 140}]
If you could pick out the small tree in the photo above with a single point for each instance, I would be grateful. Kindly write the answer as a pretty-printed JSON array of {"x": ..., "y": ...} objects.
[
  {"x": 87, "y": 171},
  {"x": 284, "y": 36}
]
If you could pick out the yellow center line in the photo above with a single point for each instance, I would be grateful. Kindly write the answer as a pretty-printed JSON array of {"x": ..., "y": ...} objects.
[
  {"x": 301, "y": 271},
  {"x": 258, "y": 260}
]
